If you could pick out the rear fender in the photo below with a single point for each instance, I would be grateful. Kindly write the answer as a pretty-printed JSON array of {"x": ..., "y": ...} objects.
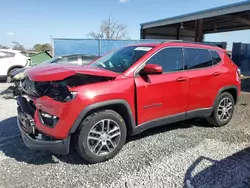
[{"x": 224, "y": 89}]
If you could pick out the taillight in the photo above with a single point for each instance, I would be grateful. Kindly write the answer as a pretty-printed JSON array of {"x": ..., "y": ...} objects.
[
  {"x": 238, "y": 75},
  {"x": 28, "y": 63},
  {"x": 239, "y": 72}
]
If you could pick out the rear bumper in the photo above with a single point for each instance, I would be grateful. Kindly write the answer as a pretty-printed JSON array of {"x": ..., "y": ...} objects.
[{"x": 35, "y": 139}]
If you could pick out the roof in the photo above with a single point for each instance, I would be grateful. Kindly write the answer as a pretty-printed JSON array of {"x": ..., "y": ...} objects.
[
  {"x": 185, "y": 44},
  {"x": 213, "y": 12},
  {"x": 153, "y": 44},
  {"x": 10, "y": 50},
  {"x": 73, "y": 55},
  {"x": 35, "y": 54},
  {"x": 196, "y": 44}
]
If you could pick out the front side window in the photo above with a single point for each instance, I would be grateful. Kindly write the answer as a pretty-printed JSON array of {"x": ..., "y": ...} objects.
[
  {"x": 197, "y": 58},
  {"x": 216, "y": 58},
  {"x": 121, "y": 59},
  {"x": 170, "y": 59}
]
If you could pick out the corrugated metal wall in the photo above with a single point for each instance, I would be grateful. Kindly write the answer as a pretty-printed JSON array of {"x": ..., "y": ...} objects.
[
  {"x": 90, "y": 46},
  {"x": 62, "y": 46},
  {"x": 241, "y": 57}
]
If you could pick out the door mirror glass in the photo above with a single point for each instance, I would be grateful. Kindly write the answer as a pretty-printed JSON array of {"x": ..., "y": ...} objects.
[{"x": 152, "y": 69}]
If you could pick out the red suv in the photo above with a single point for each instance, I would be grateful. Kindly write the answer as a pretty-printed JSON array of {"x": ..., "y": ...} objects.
[{"x": 124, "y": 93}]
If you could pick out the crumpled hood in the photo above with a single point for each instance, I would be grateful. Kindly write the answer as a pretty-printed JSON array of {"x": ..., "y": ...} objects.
[{"x": 54, "y": 72}]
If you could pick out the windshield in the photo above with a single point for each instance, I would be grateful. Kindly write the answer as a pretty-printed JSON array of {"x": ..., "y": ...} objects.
[{"x": 120, "y": 60}]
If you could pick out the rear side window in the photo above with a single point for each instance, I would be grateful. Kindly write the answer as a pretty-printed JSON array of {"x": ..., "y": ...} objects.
[
  {"x": 6, "y": 54},
  {"x": 197, "y": 58},
  {"x": 67, "y": 60},
  {"x": 87, "y": 60},
  {"x": 216, "y": 58},
  {"x": 170, "y": 59}
]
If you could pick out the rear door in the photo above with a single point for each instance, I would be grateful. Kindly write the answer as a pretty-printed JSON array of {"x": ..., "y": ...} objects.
[
  {"x": 202, "y": 82},
  {"x": 164, "y": 95}
]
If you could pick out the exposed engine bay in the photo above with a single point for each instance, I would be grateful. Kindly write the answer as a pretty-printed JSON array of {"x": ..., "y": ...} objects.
[{"x": 59, "y": 90}]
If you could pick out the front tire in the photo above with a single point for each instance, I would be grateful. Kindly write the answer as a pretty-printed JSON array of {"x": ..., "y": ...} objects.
[
  {"x": 223, "y": 110},
  {"x": 101, "y": 136}
]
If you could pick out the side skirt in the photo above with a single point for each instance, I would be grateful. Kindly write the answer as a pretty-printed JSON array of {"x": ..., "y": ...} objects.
[{"x": 200, "y": 113}]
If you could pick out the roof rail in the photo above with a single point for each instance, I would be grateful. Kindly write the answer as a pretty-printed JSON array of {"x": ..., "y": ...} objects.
[
  {"x": 166, "y": 41},
  {"x": 205, "y": 43}
]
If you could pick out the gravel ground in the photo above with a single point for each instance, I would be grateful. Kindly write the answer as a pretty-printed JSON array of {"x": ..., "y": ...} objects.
[{"x": 189, "y": 154}]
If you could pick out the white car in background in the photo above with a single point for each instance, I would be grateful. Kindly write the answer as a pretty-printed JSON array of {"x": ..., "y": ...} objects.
[{"x": 11, "y": 60}]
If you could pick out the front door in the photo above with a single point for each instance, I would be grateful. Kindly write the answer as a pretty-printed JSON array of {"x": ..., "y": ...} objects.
[{"x": 165, "y": 95}]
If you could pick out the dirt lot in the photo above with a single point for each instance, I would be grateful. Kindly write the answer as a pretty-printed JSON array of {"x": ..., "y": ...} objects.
[{"x": 189, "y": 154}]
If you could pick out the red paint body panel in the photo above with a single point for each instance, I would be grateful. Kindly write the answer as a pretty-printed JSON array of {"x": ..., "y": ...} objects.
[
  {"x": 205, "y": 83},
  {"x": 164, "y": 92},
  {"x": 53, "y": 72},
  {"x": 87, "y": 95},
  {"x": 149, "y": 98}
]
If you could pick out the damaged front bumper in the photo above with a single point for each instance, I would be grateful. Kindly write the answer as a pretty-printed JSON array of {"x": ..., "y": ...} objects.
[{"x": 32, "y": 137}]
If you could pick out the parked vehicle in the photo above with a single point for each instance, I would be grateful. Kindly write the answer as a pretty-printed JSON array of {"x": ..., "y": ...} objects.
[
  {"x": 17, "y": 76},
  {"x": 124, "y": 93},
  {"x": 78, "y": 59},
  {"x": 12, "y": 60}
]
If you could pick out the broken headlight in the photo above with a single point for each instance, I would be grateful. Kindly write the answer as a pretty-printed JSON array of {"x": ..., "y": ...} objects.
[
  {"x": 57, "y": 90},
  {"x": 19, "y": 76}
]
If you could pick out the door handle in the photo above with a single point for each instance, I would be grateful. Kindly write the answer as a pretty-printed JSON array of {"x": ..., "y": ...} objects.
[
  {"x": 216, "y": 73},
  {"x": 181, "y": 79}
]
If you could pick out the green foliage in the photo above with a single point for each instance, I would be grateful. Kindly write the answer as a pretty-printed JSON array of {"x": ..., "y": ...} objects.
[{"x": 42, "y": 47}]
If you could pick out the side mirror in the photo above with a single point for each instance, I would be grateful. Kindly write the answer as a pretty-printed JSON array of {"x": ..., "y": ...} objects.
[{"x": 152, "y": 69}]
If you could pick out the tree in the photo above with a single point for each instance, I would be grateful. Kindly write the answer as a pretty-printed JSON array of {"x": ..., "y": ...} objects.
[
  {"x": 42, "y": 47},
  {"x": 17, "y": 46},
  {"x": 110, "y": 29},
  {"x": 37, "y": 47},
  {"x": 3, "y": 47}
]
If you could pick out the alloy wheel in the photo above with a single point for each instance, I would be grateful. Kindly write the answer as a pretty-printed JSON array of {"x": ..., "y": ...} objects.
[
  {"x": 104, "y": 137},
  {"x": 225, "y": 109}
]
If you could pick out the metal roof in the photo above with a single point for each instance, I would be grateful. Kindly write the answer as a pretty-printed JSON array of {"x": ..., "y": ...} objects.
[{"x": 213, "y": 12}]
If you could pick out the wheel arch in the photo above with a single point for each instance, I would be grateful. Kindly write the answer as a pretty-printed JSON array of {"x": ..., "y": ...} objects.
[
  {"x": 13, "y": 67},
  {"x": 232, "y": 89},
  {"x": 119, "y": 105}
]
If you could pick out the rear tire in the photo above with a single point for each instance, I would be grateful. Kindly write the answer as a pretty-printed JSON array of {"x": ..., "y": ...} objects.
[
  {"x": 101, "y": 136},
  {"x": 223, "y": 110}
]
